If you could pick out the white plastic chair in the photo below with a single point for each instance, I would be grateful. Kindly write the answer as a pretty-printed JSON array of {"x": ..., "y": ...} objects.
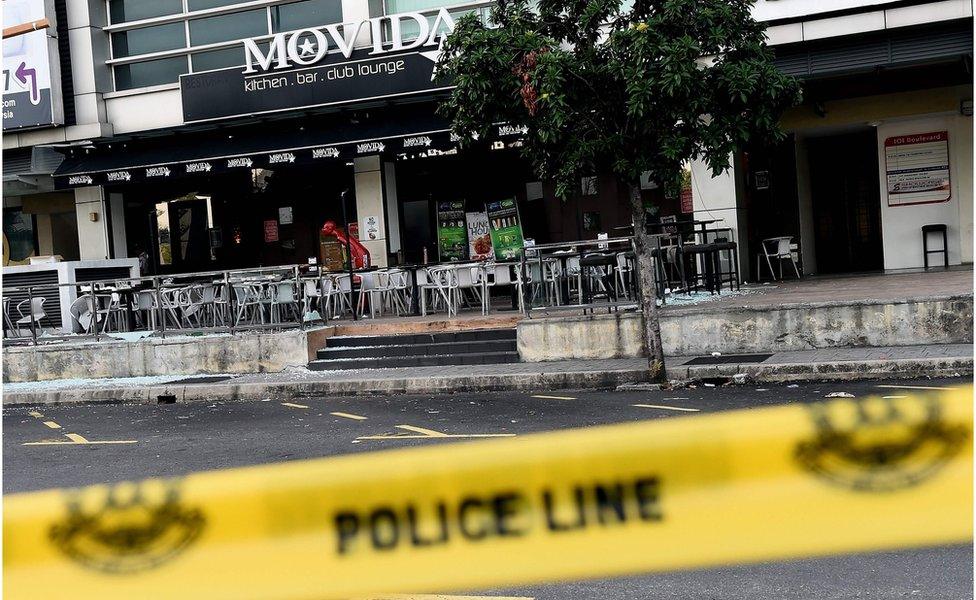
[
  {"x": 34, "y": 313},
  {"x": 779, "y": 248}
]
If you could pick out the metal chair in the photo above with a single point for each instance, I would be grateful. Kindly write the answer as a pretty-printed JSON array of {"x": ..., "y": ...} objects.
[{"x": 779, "y": 248}]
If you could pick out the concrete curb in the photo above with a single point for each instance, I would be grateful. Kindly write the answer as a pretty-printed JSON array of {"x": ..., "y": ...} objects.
[
  {"x": 901, "y": 368},
  {"x": 286, "y": 390},
  {"x": 626, "y": 378}
]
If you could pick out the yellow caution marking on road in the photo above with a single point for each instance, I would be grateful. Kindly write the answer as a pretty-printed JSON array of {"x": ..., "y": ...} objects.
[
  {"x": 293, "y": 405},
  {"x": 422, "y": 433},
  {"x": 52, "y": 424},
  {"x": 348, "y": 416},
  {"x": 735, "y": 487},
  {"x": 36, "y": 414},
  {"x": 74, "y": 437},
  {"x": 553, "y": 397},
  {"x": 666, "y": 407},
  {"x": 73, "y": 443},
  {"x": 917, "y": 387}
]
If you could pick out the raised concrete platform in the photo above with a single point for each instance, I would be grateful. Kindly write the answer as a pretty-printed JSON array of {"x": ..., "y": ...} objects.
[{"x": 865, "y": 311}]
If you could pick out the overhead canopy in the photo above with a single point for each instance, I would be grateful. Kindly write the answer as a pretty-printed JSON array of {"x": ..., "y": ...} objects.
[{"x": 396, "y": 130}]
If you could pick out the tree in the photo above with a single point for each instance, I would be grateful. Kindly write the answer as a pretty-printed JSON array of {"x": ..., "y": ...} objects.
[{"x": 601, "y": 87}]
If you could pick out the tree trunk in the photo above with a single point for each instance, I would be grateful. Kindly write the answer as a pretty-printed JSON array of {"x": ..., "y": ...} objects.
[{"x": 643, "y": 245}]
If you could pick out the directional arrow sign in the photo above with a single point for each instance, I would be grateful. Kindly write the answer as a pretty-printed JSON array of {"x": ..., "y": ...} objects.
[{"x": 23, "y": 74}]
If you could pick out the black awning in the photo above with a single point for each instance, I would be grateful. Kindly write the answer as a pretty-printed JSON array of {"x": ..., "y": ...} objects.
[{"x": 405, "y": 129}]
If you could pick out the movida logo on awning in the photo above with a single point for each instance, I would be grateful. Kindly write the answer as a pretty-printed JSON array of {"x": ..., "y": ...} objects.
[{"x": 306, "y": 47}]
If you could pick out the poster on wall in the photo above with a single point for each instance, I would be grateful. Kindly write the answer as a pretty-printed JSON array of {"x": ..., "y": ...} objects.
[
  {"x": 505, "y": 228},
  {"x": 687, "y": 201},
  {"x": 917, "y": 168},
  {"x": 479, "y": 237},
  {"x": 270, "y": 231},
  {"x": 452, "y": 238},
  {"x": 31, "y": 76}
]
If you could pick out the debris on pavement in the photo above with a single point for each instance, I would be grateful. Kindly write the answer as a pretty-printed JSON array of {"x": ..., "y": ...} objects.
[{"x": 839, "y": 395}]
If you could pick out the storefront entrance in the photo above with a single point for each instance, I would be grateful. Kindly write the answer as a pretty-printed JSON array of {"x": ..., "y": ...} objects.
[
  {"x": 846, "y": 202},
  {"x": 261, "y": 217}
]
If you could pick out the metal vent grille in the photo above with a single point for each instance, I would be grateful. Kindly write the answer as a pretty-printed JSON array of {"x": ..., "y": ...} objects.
[
  {"x": 16, "y": 162},
  {"x": 50, "y": 293},
  {"x": 890, "y": 48}
]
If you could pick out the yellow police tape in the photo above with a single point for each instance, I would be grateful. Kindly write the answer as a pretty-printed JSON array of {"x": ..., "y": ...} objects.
[{"x": 762, "y": 484}]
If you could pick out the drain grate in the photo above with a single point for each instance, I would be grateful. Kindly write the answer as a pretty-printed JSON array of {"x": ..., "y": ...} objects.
[
  {"x": 727, "y": 359},
  {"x": 210, "y": 379}
]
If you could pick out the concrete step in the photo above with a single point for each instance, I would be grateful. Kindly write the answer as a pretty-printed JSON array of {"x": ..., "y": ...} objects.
[
  {"x": 477, "y": 335},
  {"x": 441, "y": 348},
  {"x": 394, "y": 362}
]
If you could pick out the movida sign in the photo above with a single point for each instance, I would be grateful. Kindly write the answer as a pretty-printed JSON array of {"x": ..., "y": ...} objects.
[
  {"x": 306, "y": 47},
  {"x": 379, "y": 58}
]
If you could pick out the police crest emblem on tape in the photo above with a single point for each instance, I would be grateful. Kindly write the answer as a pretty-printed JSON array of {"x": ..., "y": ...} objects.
[
  {"x": 879, "y": 444},
  {"x": 127, "y": 527}
]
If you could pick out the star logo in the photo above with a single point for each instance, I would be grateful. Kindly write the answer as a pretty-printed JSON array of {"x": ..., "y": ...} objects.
[{"x": 307, "y": 47}]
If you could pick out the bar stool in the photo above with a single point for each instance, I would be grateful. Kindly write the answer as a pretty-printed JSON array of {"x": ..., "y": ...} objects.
[{"x": 935, "y": 228}]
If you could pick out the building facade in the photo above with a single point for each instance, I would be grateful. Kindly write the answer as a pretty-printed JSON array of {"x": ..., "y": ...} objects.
[
  {"x": 880, "y": 146},
  {"x": 209, "y": 134}
]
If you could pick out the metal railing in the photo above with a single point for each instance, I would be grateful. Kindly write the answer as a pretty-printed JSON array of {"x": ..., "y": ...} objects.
[
  {"x": 602, "y": 269},
  {"x": 161, "y": 315}
]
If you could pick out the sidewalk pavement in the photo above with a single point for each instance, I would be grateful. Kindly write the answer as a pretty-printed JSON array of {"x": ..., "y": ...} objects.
[{"x": 831, "y": 364}]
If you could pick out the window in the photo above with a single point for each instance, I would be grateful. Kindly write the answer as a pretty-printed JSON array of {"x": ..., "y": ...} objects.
[
  {"x": 409, "y": 28},
  {"x": 148, "y": 39},
  {"x": 218, "y": 59},
  {"x": 201, "y": 42},
  {"x": 121, "y": 11},
  {"x": 310, "y": 13},
  {"x": 150, "y": 72},
  {"x": 234, "y": 26},
  {"x": 205, "y": 4}
]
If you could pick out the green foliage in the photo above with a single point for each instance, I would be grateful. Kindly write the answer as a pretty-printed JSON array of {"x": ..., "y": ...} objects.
[{"x": 606, "y": 88}]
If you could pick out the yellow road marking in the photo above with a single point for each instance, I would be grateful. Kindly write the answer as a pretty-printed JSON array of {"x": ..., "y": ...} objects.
[
  {"x": 52, "y": 424},
  {"x": 349, "y": 416},
  {"x": 86, "y": 442},
  {"x": 426, "y": 432},
  {"x": 34, "y": 413},
  {"x": 293, "y": 405},
  {"x": 422, "y": 433},
  {"x": 666, "y": 407},
  {"x": 74, "y": 437},
  {"x": 554, "y": 397},
  {"x": 916, "y": 387},
  {"x": 893, "y": 397}
]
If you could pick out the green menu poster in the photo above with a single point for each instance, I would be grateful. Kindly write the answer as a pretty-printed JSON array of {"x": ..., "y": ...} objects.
[
  {"x": 506, "y": 230},
  {"x": 452, "y": 231}
]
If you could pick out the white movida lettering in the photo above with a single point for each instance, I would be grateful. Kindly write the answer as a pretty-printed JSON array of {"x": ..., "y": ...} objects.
[{"x": 310, "y": 45}]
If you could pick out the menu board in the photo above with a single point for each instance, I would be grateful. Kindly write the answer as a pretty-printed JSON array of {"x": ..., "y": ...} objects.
[
  {"x": 506, "y": 230},
  {"x": 917, "y": 168},
  {"x": 452, "y": 238},
  {"x": 479, "y": 238}
]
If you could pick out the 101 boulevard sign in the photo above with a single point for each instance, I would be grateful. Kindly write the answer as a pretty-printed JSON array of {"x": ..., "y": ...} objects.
[{"x": 319, "y": 67}]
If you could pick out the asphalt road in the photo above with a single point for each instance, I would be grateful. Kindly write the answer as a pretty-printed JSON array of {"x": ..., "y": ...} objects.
[{"x": 61, "y": 446}]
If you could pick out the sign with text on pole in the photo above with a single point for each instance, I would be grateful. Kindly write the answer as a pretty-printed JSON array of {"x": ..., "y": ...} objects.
[
  {"x": 31, "y": 73},
  {"x": 319, "y": 66}
]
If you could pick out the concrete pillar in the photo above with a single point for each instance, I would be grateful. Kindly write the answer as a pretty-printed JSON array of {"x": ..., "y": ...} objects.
[
  {"x": 45, "y": 239},
  {"x": 119, "y": 243},
  {"x": 369, "y": 205},
  {"x": 392, "y": 208},
  {"x": 718, "y": 198},
  {"x": 92, "y": 226}
]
